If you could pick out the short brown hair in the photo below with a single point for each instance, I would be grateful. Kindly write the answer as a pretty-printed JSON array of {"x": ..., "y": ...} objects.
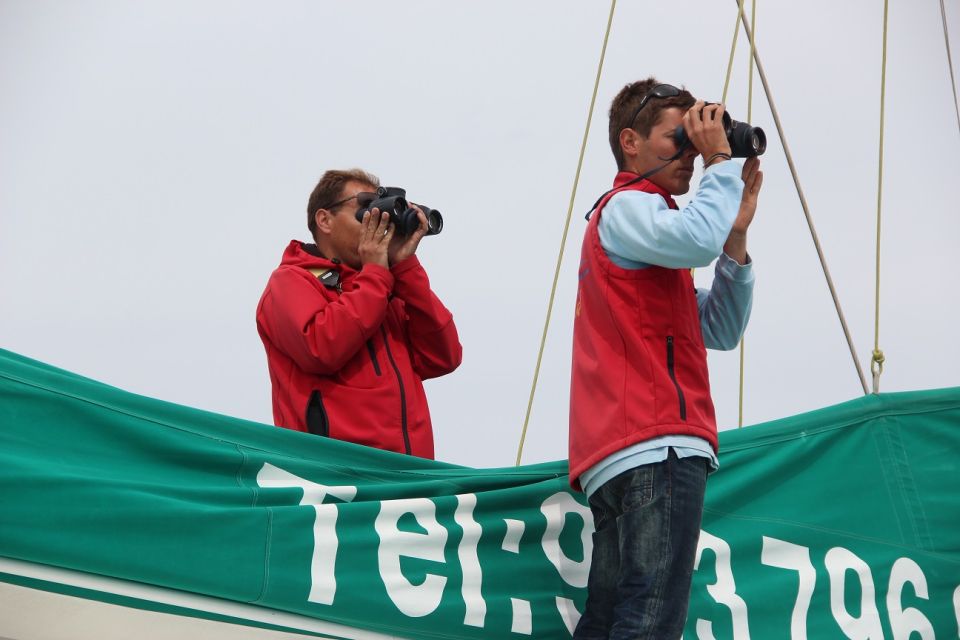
[
  {"x": 330, "y": 188},
  {"x": 625, "y": 104}
]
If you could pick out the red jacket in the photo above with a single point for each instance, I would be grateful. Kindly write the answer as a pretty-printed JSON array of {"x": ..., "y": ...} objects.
[
  {"x": 639, "y": 364},
  {"x": 347, "y": 360}
]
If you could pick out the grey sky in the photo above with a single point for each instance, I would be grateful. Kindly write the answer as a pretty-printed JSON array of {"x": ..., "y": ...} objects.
[{"x": 156, "y": 157}]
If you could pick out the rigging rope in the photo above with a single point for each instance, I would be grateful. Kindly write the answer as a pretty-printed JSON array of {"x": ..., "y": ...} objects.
[
  {"x": 753, "y": 48},
  {"x": 743, "y": 348},
  {"x": 566, "y": 228},
  {"x": 733, "y": 50},
  {"x": 876, "y": 362},
  {"x": 803, "y": 204},
  {"x": 723, "y": 99},
  {"x": 953, "y": 82}
]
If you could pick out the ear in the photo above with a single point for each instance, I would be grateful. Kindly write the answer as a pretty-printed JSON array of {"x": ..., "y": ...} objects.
[
  {"x": 630, "y": 142},
  {"x": 323, "y": 218}
]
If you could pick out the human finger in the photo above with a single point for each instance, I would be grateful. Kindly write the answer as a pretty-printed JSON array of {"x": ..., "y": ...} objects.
[
  {"x": 382, "y": 223},
  {"x": 422, "y": 219},
  {"x": 718, "y": 112},
  {"x": 751, "y": 187},
  {"x": 754, "y": 168},
  {"x": 692, "y": 121},
  {"x": 709, "y": 112},
  {"x": 370, "y": 220},
  {"x": 689, "y": 117},
  {"x": 365, "y": 225},
  {"x": 388, "y": 232}
]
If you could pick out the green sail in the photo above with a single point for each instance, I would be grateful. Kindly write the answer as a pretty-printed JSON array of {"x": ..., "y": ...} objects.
[{"x": 839, "y": 523}]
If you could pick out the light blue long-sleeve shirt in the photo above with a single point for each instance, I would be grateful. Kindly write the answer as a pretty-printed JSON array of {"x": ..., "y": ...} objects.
[{"x": 638, "y": 230}]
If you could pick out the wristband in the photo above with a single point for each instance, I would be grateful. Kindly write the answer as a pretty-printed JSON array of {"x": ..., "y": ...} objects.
[{"x": 709, "y": 161}]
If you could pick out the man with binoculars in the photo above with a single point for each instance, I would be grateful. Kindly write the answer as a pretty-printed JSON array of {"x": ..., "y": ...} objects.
[
  {"x": 643, "y": 434},
  {"x": 349, "y": 322}
]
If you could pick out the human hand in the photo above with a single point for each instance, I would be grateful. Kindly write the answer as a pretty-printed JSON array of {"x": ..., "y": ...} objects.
[
  {"x": 376, "y": 232},
  {"x": 704, "y": 127},
  {"x": 752, "y": 181},
  {"x": 402, "y": 248}
]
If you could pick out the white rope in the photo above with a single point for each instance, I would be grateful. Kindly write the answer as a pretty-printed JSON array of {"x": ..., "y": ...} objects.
[
  {"x": 566, "y": 228},
  {"x": 953, "y": 81},
  {"x": 804, "y": 206}
]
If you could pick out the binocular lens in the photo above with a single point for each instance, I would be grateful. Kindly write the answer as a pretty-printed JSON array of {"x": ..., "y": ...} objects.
[
  {"x": 746, "y": 141},
  {"x": 434, "y": 221},
  {"x": 408, "y": 222}
]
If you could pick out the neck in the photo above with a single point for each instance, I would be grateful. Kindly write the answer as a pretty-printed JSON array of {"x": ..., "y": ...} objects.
[
  {"x": 325, "y": 250},
  {"x": 632, "y": 166}
]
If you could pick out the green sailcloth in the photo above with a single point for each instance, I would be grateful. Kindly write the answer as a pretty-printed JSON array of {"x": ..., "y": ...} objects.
[{"x": 840, "y": 523}]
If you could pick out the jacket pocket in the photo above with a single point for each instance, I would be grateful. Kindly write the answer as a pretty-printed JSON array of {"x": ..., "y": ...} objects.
[
  {"x": 316, "y": 418},
  {"x": 373, "y": 357},
  {"x": 673, "y": 376}
]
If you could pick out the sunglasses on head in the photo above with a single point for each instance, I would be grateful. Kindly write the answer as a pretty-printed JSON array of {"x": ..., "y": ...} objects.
[{"x": 659, "y": 91}]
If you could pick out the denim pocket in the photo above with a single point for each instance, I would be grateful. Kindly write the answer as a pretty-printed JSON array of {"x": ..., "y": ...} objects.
[{"x": 637, "y": 488}]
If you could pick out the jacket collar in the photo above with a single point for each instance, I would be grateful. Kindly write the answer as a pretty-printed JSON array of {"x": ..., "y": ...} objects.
[
  {"x": 307, "y": 256},
  {"x": 623, "y": 178},
  {"x": 629, "y": 181}
]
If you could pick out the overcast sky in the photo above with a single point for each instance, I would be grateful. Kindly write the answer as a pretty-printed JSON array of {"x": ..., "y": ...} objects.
[{"x": 156, "y": 158}]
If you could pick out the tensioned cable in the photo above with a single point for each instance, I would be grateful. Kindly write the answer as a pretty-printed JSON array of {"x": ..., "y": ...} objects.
[
  {"x": 733, "y": 50},
  {"x": 753, "y": 48},
  {"x": 723, "y": 99},
  {"x": 566, "y": 228},
  {"x": 803, "y": 203},
  {"x": 876, "y": 362},
  {"x": 953, "y": 82}
]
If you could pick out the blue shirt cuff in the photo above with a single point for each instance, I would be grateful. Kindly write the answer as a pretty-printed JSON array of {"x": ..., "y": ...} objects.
[
  {"x": 728, "y": 166},
  {"x": 733, "y": 270}
]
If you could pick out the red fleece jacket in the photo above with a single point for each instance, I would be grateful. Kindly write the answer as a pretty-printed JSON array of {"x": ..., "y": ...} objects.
[{"x": 347, "y": 361}]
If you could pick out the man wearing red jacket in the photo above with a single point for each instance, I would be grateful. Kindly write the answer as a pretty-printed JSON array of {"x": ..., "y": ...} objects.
[
  {"x": 351, "y": 327},
  {"x": 643, "y": 433}
]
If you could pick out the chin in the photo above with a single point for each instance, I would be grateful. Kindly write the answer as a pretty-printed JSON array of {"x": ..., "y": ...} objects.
[{"x": 674, "y": 185}]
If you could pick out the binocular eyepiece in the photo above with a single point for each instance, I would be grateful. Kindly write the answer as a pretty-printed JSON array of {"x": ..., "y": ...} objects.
[
  {"x": 393, "y": 200},
  {"x": 745, "y": 141}
]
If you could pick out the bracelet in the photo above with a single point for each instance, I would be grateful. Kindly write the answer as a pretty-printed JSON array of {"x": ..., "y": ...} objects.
[{"x": 709, "y": 161}]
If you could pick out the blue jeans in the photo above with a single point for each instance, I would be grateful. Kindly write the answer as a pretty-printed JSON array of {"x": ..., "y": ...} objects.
[{"x": 647, "y": 524}]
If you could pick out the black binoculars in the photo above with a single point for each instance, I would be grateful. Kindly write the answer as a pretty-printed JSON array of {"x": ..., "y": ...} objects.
[
  {"x": 745, "y": 141},
  {"x": 393, "y": 200}
]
